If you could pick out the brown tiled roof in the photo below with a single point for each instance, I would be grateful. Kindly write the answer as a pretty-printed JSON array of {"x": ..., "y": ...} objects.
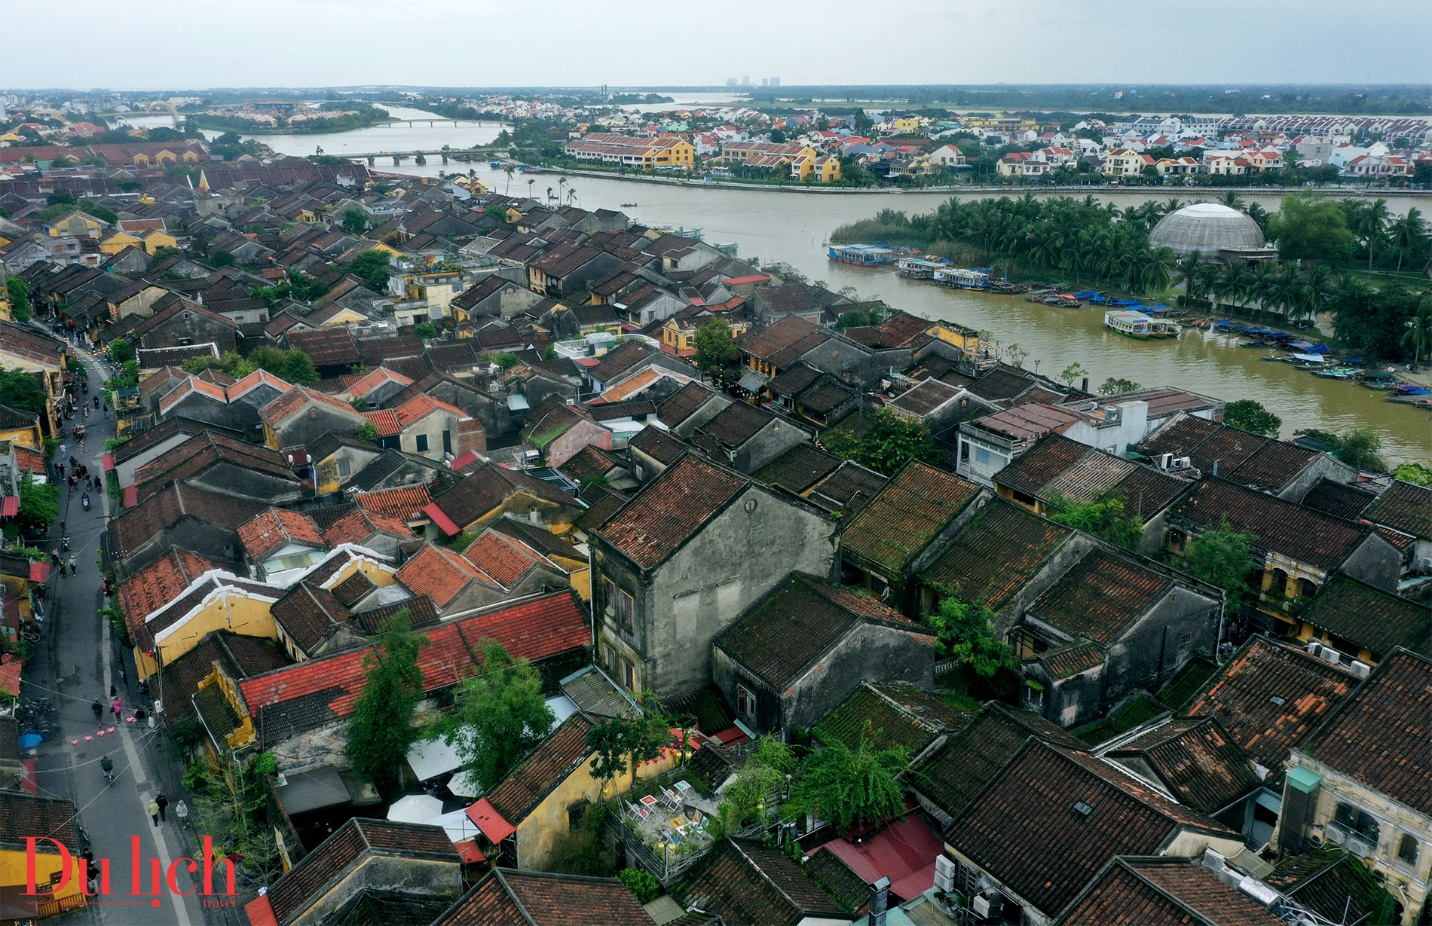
[
  {"x": 162, "y": 510},
  {"x": 794, "y": 380},
  {"x": 1196, "y": 760},
  {"x": 737, "y": 423},
  {"x": 1181, "y": 437},
  {"x": 160, "y": 583},
  {"x": 798, "y": 468},
  {"x": 682, "y": 403},
  {"x": 306, "y": 881},
  {"x": 405, "y": 503},
  {"x": 543, "y": 770},
  {"x": 1154, "y": 891},
  {"x": 1030, "y": 831},
  {"x": 326, "y": 347},
  {"x": 237, "y": 655},
  {"x": 1069, "y": 661},
  {"x": 1381, "y": 737},
  {"x": 352, "y": 589},
  {"x": 992, "y": 558},
  {"x": 792, "y": 627},
  {"x": 1273, "y": 466},
  {"x": 1146, "y": 491},
  {"x": 847, "y": 490},
  {"x": 1270, "y": 696},
  {"x": 273, "y": 529},
  {"x": 1338, "y": 499},
  {"x": 905, "y": 517},
  {"x": 503, "y": 558},
  {"x": 925, "y": 397},
  {"x": 625, "y": 358},
  {"x": 746, "y": 883},
  {"x": 506, "y": 897},
  {"x": 1027, "y": 422},
  {"x": 307, "y": 613},
  {"x": 588, "y": 463},
  {"x": 1334, "y": 885},
  {"x": 440, "y": 574},
  {"x": 1273, "y": 524},
  {"x": 203, "y": 451},
  {"x": 1041, "y": 464},
  {"x": 1001, "y": 383},
  {"x": 360, "y": 524},
  {"x": 952, "y": 775},
  {"x": 658, "y": 444},
  {"x": 488, "y": 486},
  {"x": 1404, "y": 507},
  {"x": 380, "y": 620},
  {"x": 1368, "y": 617},
  {"x": 670, "y": 510},
  {"x": 777, "y": 337},
  {"x": 869, "y": 713},
  {"x": 23, "y": 815},
  {"x": 1100, "y": 596}
]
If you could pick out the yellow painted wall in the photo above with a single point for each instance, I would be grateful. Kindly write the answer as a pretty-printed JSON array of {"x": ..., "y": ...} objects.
[
  {"x": 231, "y": 611},
  {"x": 158, "y": 239},
  {"x": 118, "y": 242},
  {"x": 13, "y": 872},
  {"x": 25, "y": 437}
]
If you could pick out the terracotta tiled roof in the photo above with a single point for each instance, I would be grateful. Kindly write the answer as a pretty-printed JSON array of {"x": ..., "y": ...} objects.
[
  {"x": 670, "y": 510},
  {"x": 543, "y": 770},
  {"x": 316, "y": 873},
  {"x": 276, "y": 528},
  {"x": 440, "y": 574},
  {"x": 1270, "y": 696},
  {"x": 23, "y": 815},
  {"x": 138, "y": 525},
  {"x": 502, "y": 558},
  {"x": 1028, "y": 829},
  {"x": 1381, "y": 737},
  {"x": 160, "y": 583},
  {"x": 1046, "y": 461},
  {"x": 847, "y": 490},
  {"x": 1196, "y": 760},
  {"x": 1273, "y": 524},
  {"x": 320, "y": 691},
  {"x": 795, "y": 625},
  {"x": 743, "y": 882},
  {"x": 992, "y": 558},
  {"x": 385, "y": 420},
  {"x": 206, "y": 450},
  {"x": 1273, "y": 466},
  {"x": 1142, "y": 891},
  {"x": 952, "y": 775},
  {"x": 404, "y": 502},
  {"x": 658, "y": 444},
  {"x": 1368, "y": 617},
  {"x": 777, "y": 337},
  {"x": 1100, "y": 596},
  {"x": 326, "y": 347},
  {"x": 1068, "y": 661},
  {"x": 420, "y": 406},
  {"x": 1404, "y": 507},
  {"x": 362, "y": 524},
  {"x": 307, "y": 613},
  {"x": 683, "y": 403},
  {"x": 297, "y": 399},
  {"x": 907, "y": 514},
  {"x": 1334, "y": 885},
  {"x": 798, "y": 468},
  {"x": 506, "y": 897}
]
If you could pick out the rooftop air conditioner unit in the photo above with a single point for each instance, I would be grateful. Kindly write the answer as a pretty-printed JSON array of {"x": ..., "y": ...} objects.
[
  {"x": 944, "y": 873},
  {"x": 1328, "y": 654},
  {"x": 986, "y": 906},
  {"x": 1166, "y": 461},
  {"x": 1313, "y": 647},
  {"x": 1182, "y": 463},
  {"x": 1360, "y": 669}
]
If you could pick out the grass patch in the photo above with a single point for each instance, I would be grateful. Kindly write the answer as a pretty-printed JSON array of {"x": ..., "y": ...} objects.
[{"x": 1140, "y": 709}]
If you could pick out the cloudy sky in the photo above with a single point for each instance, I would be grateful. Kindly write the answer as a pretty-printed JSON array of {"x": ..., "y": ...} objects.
[{"x": 170, "y": 44}]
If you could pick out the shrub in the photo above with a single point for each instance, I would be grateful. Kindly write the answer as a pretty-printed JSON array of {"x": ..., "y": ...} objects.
[{"x": 641, "y": 883}]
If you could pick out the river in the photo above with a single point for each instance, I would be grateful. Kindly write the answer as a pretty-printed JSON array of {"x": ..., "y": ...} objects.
[{"x": 792, "y": 228}]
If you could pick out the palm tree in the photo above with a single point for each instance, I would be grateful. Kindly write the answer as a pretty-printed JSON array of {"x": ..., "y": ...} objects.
[
  {"x": 1259, "y": 215},
  {"x": 1371, "y": 222},
  {"x": 509, "y": 170},
  {"x": 1190, "y": 274},
  {"x": 530, "y": 183},
  {"x": 571, "y": 194},
  {"x": 1407, "y": 234},
  {"x": 1419, "y": 331},
  {"x": 549, "y": 195},
  {"x": 1232, "y": 200}
]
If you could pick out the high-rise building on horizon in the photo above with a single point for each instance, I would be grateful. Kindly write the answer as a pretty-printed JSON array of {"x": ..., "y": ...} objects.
[
  {"x": 730, "y": 81},
  {"x": 775, "y": 81}
]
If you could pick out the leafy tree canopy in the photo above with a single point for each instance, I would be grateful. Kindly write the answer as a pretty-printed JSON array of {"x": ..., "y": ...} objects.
[
  {"x": 716, "y": 346},
  {"x": 39, "y": 505},
  {"x": 21, "y": 390},
  {"x": 966, "y": 632},
  {"x": 371, "y": 267},
  {"x": 888, "y": 444},
  {"x": 1105, "y": 517},
  {"x": 1222, "y": 557},
  {"x": 1311, "y": 228},
  {"x": 1416, "y": 473},
  {"x": 847, "y": 786},
  {"x": 381, "y": 728},
  {"x": 1250, "y": 415},
  {"x": 500, "y": 716}
]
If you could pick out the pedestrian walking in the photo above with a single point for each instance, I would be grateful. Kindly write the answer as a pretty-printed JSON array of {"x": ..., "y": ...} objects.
[
  {"x": 144, "y": 692},
  {"x": 113, "y": 691},
  {"x": 63, "y": 449},
  {"x": 162, "y": 803},
  {"x": 107, "y": 766},
  {"x": 98, "y": 709},
  {"x": 74, "y": 566},
  {"x": 91, "y": 871},
  {"x": 181, "y": 812},
  {"x": 154, "y": 811},
  {"x": 55, "y": 555},
  {"x": 116, "y": 705}
]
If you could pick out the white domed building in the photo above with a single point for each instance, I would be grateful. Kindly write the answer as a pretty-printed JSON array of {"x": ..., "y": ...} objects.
[{"x": 1214, "y": 230}]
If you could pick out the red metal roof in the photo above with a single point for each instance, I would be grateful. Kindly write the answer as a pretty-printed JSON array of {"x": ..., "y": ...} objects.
[
  {"x": 492, "y": 823},
  {"x": 10, "y": 507},
  {"x": 441, "y": 520},
  {"x": 904, "y": 852},
  {"x": 39, "y": 572},
  {"x": 109, "y": 462}
]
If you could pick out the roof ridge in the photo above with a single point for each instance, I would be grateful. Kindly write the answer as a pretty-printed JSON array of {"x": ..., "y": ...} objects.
[{"x": 512, "y": 895}]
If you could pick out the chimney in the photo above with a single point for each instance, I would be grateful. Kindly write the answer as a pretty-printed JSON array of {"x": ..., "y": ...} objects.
[
  {"x": 1215, "y": 467},
  {"x": 879, "y": 901},
  {"x": 1084, "y": 384}
]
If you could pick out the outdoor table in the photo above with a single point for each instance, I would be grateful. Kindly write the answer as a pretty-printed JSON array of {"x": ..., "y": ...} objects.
[
  {"x": 683, "y": 786},
  {"x": 648, "y": 801}
]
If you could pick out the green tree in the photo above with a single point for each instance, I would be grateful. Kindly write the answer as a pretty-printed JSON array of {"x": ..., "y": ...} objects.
[
  {"x": 1309, "y": 227},
  {"x": 716, "y": 350},
  {"x": 641, "y": 883},
  {"x": 1118, "y": 386},
  {"x": 499, "y": 716},
  {"x": 1419, "y": 474},
  {"x": 39, "y": 505},
  {"x": 1222, "y": 557},
  {"x": 845, "y": 786},
  {"x": 1418, "y": 336},
  {"x": 1105, "y": 517},
  {"x": 297, "y": 367},
  {"x": 367, "y": 431},
  {"x": 120, "y": 351},
  {"x": 1250, "y": 415},
  {"x": 21, "y": 390},
  {"x": 381, "y": 728},
  {"x": 221, "y": 259},
  {"x": 888, "y": 444},
  {"x": 744, "y": 799},
  {"x": 622, "y": 744},
  {"x": 966, "y": 632},
  {"x": 18, "y": 292},
  {"x": 355, "y": 220},
  {"x": 425, "y": 330},
  {"x": 1360, "y": 448},
  {"x": 371, "y": 267},
  {"x": 1072, "y": 372}
]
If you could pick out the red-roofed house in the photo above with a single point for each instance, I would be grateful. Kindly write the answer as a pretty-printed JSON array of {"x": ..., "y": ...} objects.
[
  {"x": 280, "y": 545},
  {"x": 303, "y": 415},
  {"x": 436, "y": 429}
]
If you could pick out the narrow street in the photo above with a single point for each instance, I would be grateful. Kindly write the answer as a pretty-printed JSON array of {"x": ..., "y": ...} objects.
[{"x": 77, "y": 661}]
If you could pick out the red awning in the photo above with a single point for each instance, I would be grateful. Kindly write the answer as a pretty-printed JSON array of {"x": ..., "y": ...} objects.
[
  {"x": 131, "y": 496},
  {"x": 260, "y": 912},
  {"x": 10, "y": 507},
  {"x": 492, "y": 823},
  {"x": 39, "y": 571},
  {"x": 443, "y": 522},
  {"x": 109, "y": 462},
  {"x": 468, "y": 851}
]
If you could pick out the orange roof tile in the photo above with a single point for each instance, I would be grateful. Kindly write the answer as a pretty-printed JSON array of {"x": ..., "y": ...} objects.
[
  {"x": 503, "y": 558},
  {"x": 362, "y": 524},
  {"x": 420, "y": 406},
  {"x": 404, "y": 502},
  {"x": 160, "y": 583},
  {"x": 276, "y": 527},
  {"x": 440, "y": 574},
  {"x": 386, "y": 421}
]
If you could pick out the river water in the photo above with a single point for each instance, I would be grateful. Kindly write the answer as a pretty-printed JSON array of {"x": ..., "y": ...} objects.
[{"x": 792, "y": 228}]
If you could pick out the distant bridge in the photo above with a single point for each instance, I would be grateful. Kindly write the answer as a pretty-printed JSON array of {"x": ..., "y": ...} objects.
[{"x": 420, "y": 156}]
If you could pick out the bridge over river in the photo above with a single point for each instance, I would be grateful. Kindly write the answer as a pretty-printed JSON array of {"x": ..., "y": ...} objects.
[{"x": 420, "y": 155}]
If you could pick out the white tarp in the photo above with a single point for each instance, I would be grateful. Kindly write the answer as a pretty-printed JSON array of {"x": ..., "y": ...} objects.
[
  {"x": 415, "y": 808},
  {"x": 431, "y": 758}
]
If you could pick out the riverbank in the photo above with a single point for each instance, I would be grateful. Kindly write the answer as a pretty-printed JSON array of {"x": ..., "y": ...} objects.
[{"x": 1145, "y": 192}]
